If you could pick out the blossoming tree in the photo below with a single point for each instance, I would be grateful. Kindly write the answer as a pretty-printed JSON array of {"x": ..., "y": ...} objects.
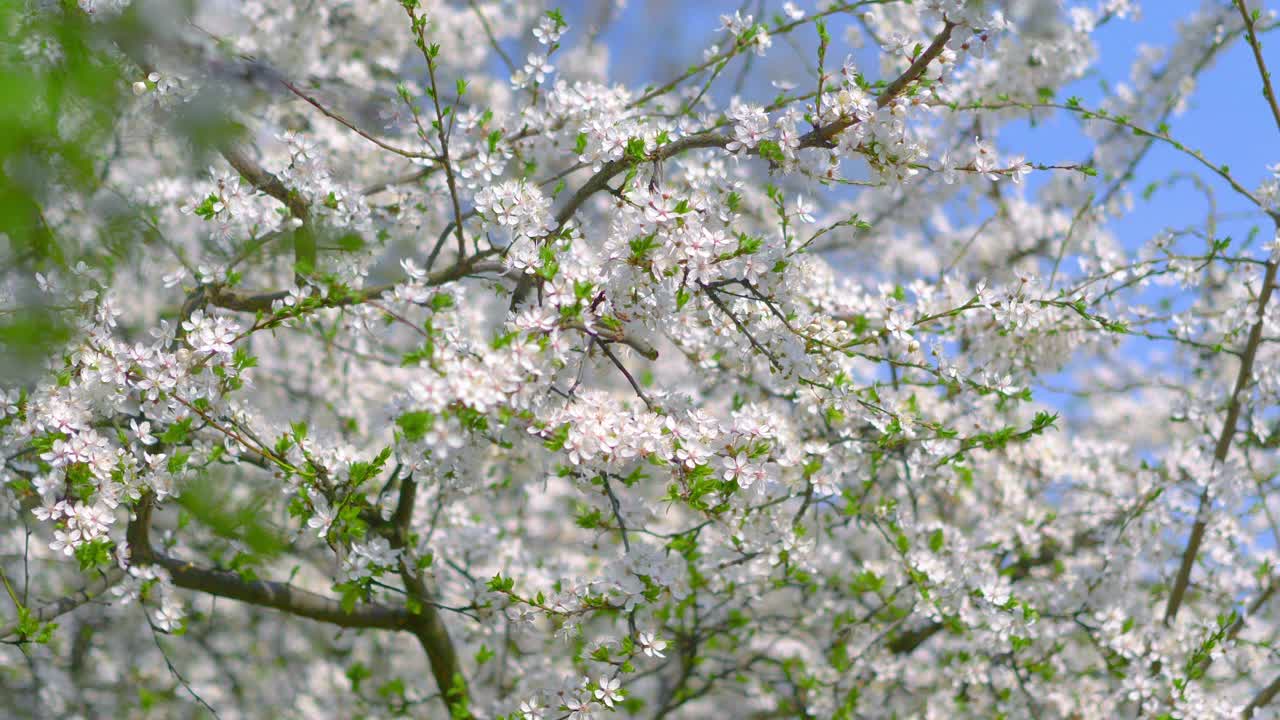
[{"x": 450, "y": 383}]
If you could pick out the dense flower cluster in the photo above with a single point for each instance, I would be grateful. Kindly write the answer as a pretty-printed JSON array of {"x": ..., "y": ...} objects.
[{"x": 710, "y": 397}]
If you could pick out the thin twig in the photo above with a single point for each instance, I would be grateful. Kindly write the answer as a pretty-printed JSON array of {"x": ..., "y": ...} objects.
[
  {"x": 488, "y": 31},
  {"x": 617, "y": 512},
  {"x": 429, "y": 54},
  {"x": 353, "y": 128},
  {"x": 155, "y": 635},
  {"x": 627, "y": 374}
]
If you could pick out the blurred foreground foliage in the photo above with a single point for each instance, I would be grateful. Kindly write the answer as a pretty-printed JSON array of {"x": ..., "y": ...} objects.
[
  {"x": 65, "y": 83},
  {"x": 56, "y": 117}
]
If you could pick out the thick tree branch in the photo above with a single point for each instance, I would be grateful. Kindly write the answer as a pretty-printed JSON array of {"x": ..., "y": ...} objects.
[
  {"x": 304, "y": 239},
  {"x": 1264, "y": 696},
  {"x": 262, "y": 300},
  {"x": 265, "y": 181},
  {"x": 424, "y": 622},
  {"x": 427, "y": 625},
  {"x": 276, "y": 595},
  {"x": 282, "y": 596},
  {"x": 1222, "y": 447}
]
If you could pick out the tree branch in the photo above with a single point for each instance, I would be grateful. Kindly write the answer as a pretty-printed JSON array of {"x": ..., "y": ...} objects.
[
  {"x": 276, "y": 595},
  {"x": 818, "y": 137},
  {"x": 604, "y": 347},
  {"x": 493, "y": 41},
  {"x": 352, "y": 127},
  {"x": 643, "y": 348},
  {"x": 427, "y": 625},
  {"x": 823, "y": 136},
  {"x": 66, "y": 604},
  {"x": 282, "y": 596},
  {"x": 1266, "y": 695},
  {"x": 262, "y": 300},
  {"x": 1222, "y": 447},
  {"x": 304, "y": 239},
  {"x": 1251, "y": 34},
  {"x": 429, "y": 54}
]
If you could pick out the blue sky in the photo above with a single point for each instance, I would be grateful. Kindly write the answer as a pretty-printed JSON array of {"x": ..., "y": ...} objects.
[{"x": 1227, "y": 119}]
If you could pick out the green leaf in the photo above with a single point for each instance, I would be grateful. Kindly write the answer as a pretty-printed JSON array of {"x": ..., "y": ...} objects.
[
  {"x": 635, "y": 150},
  {"x": 415, "y": 425},
  {"x": 392, "y": 688},
  {"x": 351, "y": 242},
  {"x": 501, "y": 584},
  {"x": 177, "y": 461},
  {"x": 771, "y": 151},
  {"x": 211, "y": 503},
  {"x": 556, "y": 442},
  {"x": 358, "y": 673},
  {"x": 177, "y": 433},
  {"x": 94, "y": 555},
  {"x": 682, "y": 298}
]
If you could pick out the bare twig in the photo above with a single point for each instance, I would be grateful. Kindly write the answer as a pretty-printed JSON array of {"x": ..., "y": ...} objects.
[
  {"x": 429, "y": 54},
  {"x": 68, "y": 603},
  {"x": 353, "y": 128},
  {"x": 1251, "y": 33},
  {"x": 617, "y": 512},
  {"x": 173, "y": 670},
  {"x": 627, "y": 374},
  {"x": 493, "y": 41}
]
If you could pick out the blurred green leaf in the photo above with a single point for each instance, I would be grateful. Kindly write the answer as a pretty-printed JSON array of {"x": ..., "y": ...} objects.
[{"x": 215, "y": 508}]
